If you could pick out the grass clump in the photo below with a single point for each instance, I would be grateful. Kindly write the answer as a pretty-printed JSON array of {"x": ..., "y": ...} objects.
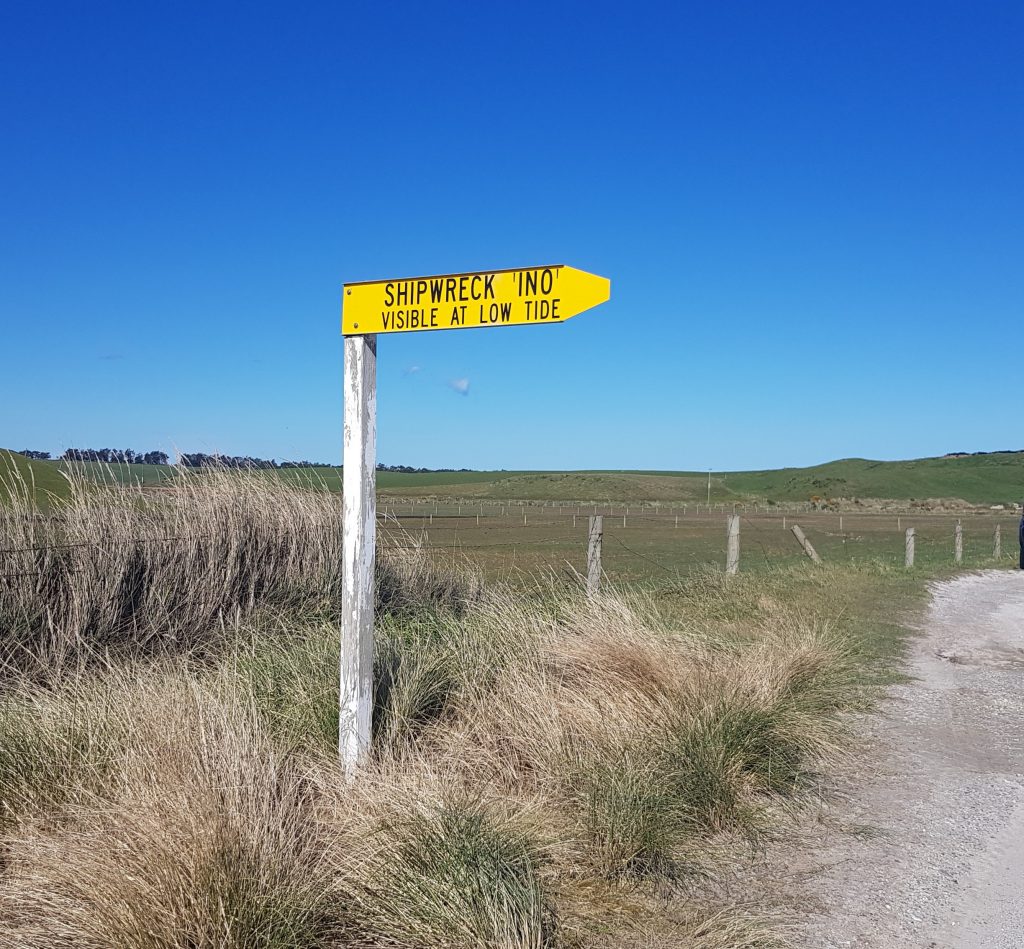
[
  {"x": 121, "y": 570},
  {"x": 200, "y": 836},
  {"x": 452, "y": 870}
]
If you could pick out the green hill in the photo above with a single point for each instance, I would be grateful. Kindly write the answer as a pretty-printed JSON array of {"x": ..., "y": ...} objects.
[
  {"x": 43, "y": 476},
  {"x": 994, "y": 478}
]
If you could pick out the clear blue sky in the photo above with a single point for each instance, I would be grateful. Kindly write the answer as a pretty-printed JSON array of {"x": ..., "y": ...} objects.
[{"x": 812, "y": 215}]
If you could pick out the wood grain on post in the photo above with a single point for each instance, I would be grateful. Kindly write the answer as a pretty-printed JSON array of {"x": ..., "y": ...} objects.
[
  {"x": 359, "y": 538},
  {"x": 958, "y": 542},
  {"x": 805, "y": 543},
  {"x": 594, "y": 554},
  {"x": 908, "y": 560},
  {"x": 997, "y": 543},
  {"x": 732, "y": 554}
]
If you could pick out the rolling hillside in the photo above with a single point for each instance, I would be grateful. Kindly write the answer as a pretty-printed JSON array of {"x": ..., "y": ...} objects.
[
  {"x": 996, "y": 478},
  {"x": 17, "y": 471},
  {"x": 981, "y": 479}
]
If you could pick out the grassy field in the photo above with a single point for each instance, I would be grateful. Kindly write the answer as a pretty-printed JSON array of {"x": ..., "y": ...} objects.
[
  {"x": 547, "y": 770},
  {"x": 996, "y": 478},
  {"x": 18, "y": 474},
  {"x": 649, "y": 544}
]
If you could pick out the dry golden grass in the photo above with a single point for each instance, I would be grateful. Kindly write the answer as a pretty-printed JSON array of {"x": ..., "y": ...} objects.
[
  {"x": 545, "y": 767},
  {"x": 118, "y": 566}
]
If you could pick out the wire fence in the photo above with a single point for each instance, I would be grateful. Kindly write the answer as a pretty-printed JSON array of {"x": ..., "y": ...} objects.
[{"x": 647, "y": 540}]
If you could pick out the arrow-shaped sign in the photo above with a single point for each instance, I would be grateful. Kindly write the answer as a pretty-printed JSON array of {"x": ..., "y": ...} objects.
[{"x": 532, "y": 296}]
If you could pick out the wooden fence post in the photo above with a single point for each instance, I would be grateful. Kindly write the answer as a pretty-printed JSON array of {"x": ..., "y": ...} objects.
[
  {"x": 805, "y": 543},
  {"x": 358, "y": 542},
  {"x": 594, "y": 554},
  {"x": 732, "y": 554},
  {"x": 997, "y": 543},
  {"x": 958, "y": 542},
  {"x": 908, "y": 560}
]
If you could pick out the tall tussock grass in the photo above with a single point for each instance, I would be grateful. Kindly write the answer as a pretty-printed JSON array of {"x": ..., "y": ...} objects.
[
  {"x": 120, "y": 566},
  {"x": 546, "y": 768}
]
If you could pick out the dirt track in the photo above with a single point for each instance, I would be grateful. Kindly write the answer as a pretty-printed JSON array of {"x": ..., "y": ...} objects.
[{"x": 929, "y": 850}]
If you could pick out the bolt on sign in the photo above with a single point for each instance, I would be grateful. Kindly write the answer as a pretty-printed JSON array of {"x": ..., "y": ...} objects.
[{"x": 534, "y": 295}]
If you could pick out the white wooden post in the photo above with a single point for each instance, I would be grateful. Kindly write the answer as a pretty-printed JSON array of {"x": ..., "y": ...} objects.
[
  {"x": 997, "y": 543},
  {"x": 908, "y": 560},
  {"x": 594, "y": 554},
  {"x": 805, "y": 543},
  {"x": 732, "y": 555},
  {"x": 359, "y": 538},
  {"x": 958, "y": 542}
]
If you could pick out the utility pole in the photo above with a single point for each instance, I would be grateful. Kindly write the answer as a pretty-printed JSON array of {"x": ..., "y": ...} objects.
[{"x": 709, "y": 488}]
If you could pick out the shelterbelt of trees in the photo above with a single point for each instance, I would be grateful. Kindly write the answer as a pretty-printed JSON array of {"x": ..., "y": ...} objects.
[{"x": 127, "y": 456}]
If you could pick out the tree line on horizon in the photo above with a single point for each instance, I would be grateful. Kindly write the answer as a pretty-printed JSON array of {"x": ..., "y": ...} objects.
[{"x": 127, "y": 456}]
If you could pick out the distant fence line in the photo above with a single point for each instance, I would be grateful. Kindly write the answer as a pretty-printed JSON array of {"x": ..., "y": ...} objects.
[{"x": 603, "y": 525}]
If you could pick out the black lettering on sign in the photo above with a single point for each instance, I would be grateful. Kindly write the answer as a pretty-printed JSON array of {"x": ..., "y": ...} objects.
[
  {"x": 495, "y": 313},
  {"x": 489, "y": 286},
  {"x": 436, "y": 288},
  {"x": 421, "y": 288},
  {"x": 449, "y": 290},
  {"x": 540, "y": 310},
  {"x": 389, "y": 294},
  {"x": 384, "y": 319},
  {"x": 547, "y": 281}
]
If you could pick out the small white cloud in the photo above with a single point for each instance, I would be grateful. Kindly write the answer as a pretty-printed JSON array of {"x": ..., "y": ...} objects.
[
  {"x": 460, "y": 385},
  {"x": 412, "y": 370}
]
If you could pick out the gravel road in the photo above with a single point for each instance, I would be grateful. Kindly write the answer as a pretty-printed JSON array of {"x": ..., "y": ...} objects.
[{"x": 930, "y": 854}]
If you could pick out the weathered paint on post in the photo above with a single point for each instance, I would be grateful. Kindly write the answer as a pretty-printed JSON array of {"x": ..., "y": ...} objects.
[
  {"x": 359, "y": 535},
  {"x": 805, "y": 543},
  {"x": 732, "y": 554},
  {"x": 908, "y": 560},
  {"x": 596, "y": 536}
]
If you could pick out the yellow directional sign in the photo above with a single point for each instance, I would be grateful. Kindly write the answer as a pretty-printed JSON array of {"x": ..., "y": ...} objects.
[{"x": 532, "y": 296}]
